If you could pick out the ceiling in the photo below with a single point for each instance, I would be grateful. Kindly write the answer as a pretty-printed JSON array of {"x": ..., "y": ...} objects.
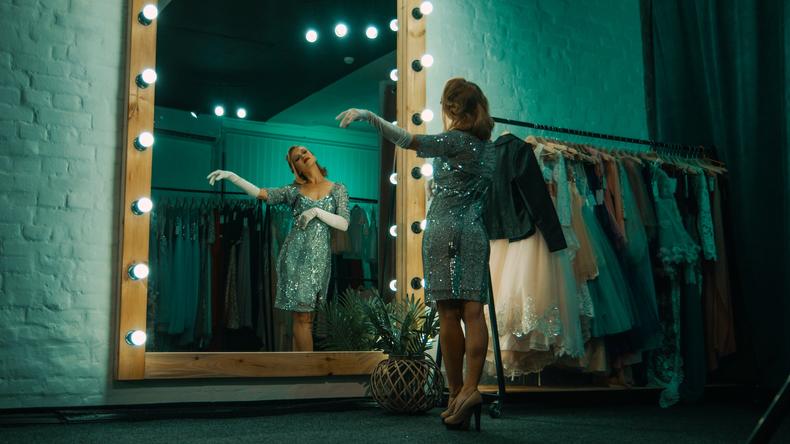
[{"x": 253, "y": 53}]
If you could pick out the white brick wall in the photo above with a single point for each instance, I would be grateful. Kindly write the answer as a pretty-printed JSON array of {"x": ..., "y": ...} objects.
[{"x": 61, "y": 111}]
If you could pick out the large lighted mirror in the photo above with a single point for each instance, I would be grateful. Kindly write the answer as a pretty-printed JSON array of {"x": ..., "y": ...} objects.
[{"x": 242, "y": 86}]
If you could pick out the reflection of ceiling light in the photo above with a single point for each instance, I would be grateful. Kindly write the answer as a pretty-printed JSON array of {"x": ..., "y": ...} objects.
[
  {"x": 193, "y": 114},
  {"x": 311, "y": 36},
  {"x": 426, "y": 60},
  {"x": 426, "y": 115},
  {"x": 426, "y": 8},
  {"x": 348, "y": 60},
  {"x": 394, "y": 285},
  {"x": 394, "y": 25},
  {"x": 394, "y": 75},
  {"x": 219, "y": 111},
  {"x": 372, "y": 32},
  {"x": 341, "y": 30},
  {"x": 241, "y": 113}
]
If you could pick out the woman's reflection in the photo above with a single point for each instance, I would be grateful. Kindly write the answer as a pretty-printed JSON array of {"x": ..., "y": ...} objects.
[{"x": 303, "y": 266}]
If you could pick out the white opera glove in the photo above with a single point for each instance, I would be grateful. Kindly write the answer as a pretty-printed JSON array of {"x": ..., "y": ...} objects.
[
  {"x": 234, "y": 178},
  {"x": 333, "y": 220},
  {"x": 393, "y": 133}
]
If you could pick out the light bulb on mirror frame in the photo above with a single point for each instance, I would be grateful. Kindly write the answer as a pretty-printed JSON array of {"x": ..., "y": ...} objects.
[
  {"x": 426, "y": 60},
  {"x": 416, "y": 283},
  {"x": 416, "y": 227},
  {"x": 144, "y": 141},
  {"x": 138, "y": 271},
  {"x": 394, "y": 25},
  {"x": 426, "y": 115},
  {"x": 136, "y": 338},
  {"x": 393, "y": 285},
  {"x": 146, "y": 78},
  {"x": 394, "y": 231},
  {"x": 424, "y": 224},
  {"x": 147, "y": 15},
  {"x": 394, "y": 75},
  {"x": 427, "y": 170},
  {"x": 142, "y": 205},
  {"x": 425, "y": 8},
  {"x": 394, "y": 178}
]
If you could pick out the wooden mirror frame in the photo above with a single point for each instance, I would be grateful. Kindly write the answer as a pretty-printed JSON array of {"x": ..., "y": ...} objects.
[{"x": 133, "y": 362}]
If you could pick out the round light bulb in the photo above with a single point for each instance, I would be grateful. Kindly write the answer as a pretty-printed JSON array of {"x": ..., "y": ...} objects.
[
  {"x": 426, "y": 60},
  {"x": 394, "y": 25},
  {"x": 341, "y": 30},
  {"x": 427, "y": 170},
  {"x": 150, "y": 12},
  {"x": 423, "y": 224},
  {"x": 219, "y": 111},
  {"x": 138, "y": 271},
  {"x": 426, "y": 115},
  {"x": 422, "y": 281},
  {"x": 394, "y": 178},
  {"x": 142, "y": 205},
  {"x": 394, "y": 75},
  {"x": 394, "y": 285},
  {"x": 241, "y": 113},
  {"x": 426, "y": 8},
  {"x": 149, "y": 76},
  {"x": 144, "y": 140},
  {"x": 311, "y": 36},
  {"x": 372, "y": 32},
  {"x": 395, "y": 122},
  {"x": 136, "y": 338},
  {"x": 394, "y": 231}
]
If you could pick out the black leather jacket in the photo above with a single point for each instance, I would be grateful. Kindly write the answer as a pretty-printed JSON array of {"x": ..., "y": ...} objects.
[{"x": 518, "y": 200}]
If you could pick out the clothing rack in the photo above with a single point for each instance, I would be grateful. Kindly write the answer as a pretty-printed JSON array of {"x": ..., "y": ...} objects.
[
  {"x": 693, "y": 149},
  {"x": 188, "y": 190}
]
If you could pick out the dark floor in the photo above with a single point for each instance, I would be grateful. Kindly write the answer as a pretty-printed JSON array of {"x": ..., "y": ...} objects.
[{"x": 719, "y": 422}]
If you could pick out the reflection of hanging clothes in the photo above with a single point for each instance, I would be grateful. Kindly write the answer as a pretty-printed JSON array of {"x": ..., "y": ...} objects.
[
  {"x": 356, "y": 229},
  {"x": 370, "y": 239}
]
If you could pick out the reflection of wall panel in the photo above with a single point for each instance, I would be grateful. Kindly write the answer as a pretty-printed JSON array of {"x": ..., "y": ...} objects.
[
  {"x": 257, "y": 152},
  {"x": 181, "y": 162}
]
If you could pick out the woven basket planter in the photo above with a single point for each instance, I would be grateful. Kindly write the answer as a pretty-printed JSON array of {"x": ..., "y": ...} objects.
[{"x": 407, "y": 384}]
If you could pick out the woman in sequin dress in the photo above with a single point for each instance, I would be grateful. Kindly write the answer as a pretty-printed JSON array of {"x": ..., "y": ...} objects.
[
  {"x": 455, "y": 243},
  {"x": 303, "y": 265}
]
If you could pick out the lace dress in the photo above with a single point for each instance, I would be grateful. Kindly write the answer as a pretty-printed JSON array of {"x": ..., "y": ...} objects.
[
  {"x": 303, "y": 265},
  {"x": 676, "y": 250}
]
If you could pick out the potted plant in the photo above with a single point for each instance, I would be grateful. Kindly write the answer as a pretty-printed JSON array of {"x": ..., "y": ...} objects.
[
  {"x": 408, "y": 381},
  {"x": 344, "y": 325}
]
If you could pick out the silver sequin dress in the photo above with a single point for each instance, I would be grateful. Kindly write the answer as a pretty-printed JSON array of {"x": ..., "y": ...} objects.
[
  {"x": 455, "y": 244},
  {"x": 304, "y": 264}
]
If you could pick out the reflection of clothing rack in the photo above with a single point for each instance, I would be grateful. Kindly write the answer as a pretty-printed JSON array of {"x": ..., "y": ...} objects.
[
  {"x": 188, "y": 190},
  {"x": 695, "y": 149}
]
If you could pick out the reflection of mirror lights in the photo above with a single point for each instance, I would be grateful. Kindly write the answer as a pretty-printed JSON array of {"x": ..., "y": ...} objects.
[
  {"x": 394, "y": 178},
  {"x": 394, "y": 25},
  {"x": 427, "y": 170},
  {"x": 394, "y": 231},
  {"x": 423, "y": 224},
  {"x": 372, "y": 32},
  {"x": 426, "y": 115},
  {"x": 341, "y": 30},
  {"x": 394, "y": 285},
  {"x": 142, "y": 205},
  {"x": 426, "y": 8},
  {"x": 422, "y": 282},
  {"x": 138, "y": 271},
  {"x": 311, "y": 36},
  {"x": 241, "y": 113},
  {"x": 136, "y": 337},
  {"x": 193, "y": 114},
  {"x": 219, "y": 111},
  {"x": 144, "y": 140},
  {"x": 148, "y": 15},
  {"x": 426, "y": 60},
  {"x": 394, "y": 75}
]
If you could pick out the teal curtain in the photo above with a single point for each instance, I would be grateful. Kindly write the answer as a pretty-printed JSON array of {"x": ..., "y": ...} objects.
[{"x": 716, "y": 75}]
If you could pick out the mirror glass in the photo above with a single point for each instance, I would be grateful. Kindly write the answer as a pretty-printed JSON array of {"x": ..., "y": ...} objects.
[{"x": 238, "y": 85}]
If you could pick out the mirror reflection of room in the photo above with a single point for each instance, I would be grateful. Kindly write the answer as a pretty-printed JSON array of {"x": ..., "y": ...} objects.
[{"x": 265, "y": 212}]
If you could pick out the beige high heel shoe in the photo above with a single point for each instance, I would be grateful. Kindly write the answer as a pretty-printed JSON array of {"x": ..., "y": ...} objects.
[
  {"x": 450, "y": 408},
  {"x": 473, "y": 404}
]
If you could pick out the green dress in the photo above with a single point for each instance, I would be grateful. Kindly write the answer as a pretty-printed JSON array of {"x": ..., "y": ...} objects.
[
  {"x": 455, "y": 243},
  {"x": 304, "y": 263}
]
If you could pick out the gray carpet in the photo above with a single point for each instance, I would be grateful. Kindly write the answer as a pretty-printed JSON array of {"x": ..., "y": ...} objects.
[{"x": 522, "y": 423}]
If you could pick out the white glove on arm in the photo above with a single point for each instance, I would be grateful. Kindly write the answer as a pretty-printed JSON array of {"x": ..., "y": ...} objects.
[
  {"x": 393, "y": 133},
  {"x": 333, "y": 220},
  {"x": 248, "y": 188}
]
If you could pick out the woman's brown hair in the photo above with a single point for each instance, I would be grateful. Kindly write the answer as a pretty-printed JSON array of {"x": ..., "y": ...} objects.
[
  {"x": 299, "y": 178},
  {"x": 466, "y": 105}
]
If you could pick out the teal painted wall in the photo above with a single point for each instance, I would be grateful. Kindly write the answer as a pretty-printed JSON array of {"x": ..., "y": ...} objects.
[{"x": 557, "y": 62}]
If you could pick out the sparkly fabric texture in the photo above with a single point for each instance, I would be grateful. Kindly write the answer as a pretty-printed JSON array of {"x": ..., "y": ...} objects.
[
  {"x": 303, "y": 265},
  {"x": 455, "y": 243}
]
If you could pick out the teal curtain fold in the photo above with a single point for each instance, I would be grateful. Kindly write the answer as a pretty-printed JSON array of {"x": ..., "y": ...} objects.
[{"x": 716, "y": 74}]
